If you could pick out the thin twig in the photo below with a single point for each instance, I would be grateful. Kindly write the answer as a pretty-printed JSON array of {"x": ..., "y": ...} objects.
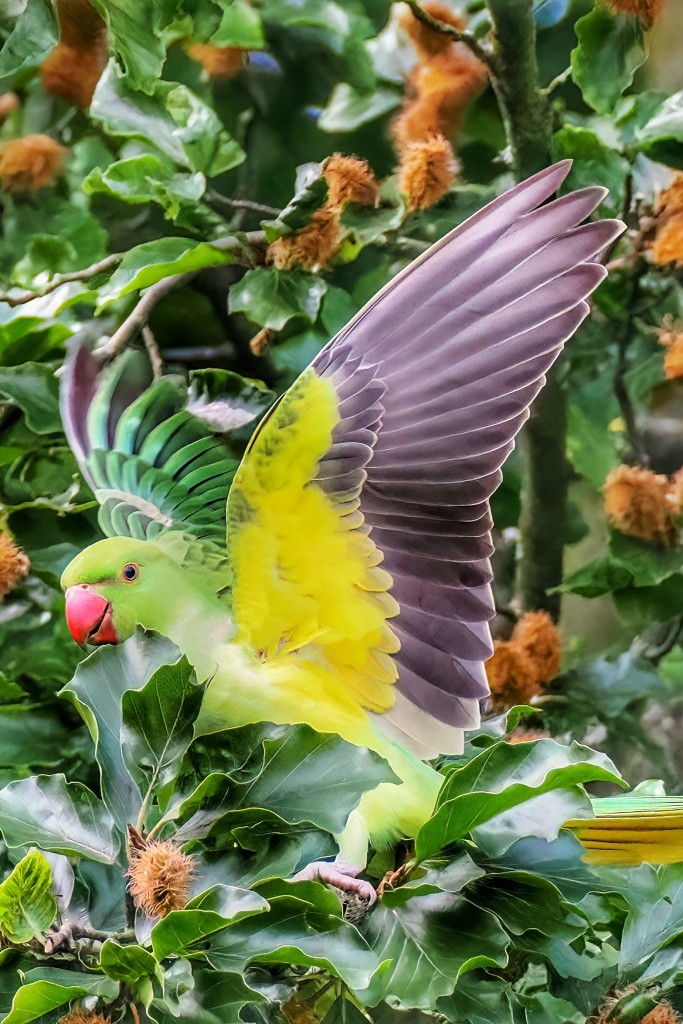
[
  {"x": 153, "y": 352},
  {"x": 557, "y": 80},
  {"x": 456, "y": 34},
  {"x": 101, "y": 267},
  {"x": 244, "y": 204},
  {"x": 241, "y": 246}
]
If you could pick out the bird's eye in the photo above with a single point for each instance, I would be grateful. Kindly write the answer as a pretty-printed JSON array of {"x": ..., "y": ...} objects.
[{"x": 130, "y": 572}]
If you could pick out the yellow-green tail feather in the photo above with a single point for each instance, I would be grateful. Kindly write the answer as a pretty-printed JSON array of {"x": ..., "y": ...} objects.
[{"x": 627, "y": 831}]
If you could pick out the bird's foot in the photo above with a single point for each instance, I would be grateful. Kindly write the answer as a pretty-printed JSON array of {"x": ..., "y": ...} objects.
[
  {"x": 392, "y": 879},
  {"x": 358, "y": 895}
]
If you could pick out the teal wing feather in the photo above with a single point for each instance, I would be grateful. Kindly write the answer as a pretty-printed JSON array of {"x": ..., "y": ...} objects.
[{"x": 159, "y": 455}]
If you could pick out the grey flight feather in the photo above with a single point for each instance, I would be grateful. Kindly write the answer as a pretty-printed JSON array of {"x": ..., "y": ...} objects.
[{"x": 435, "y": 377}]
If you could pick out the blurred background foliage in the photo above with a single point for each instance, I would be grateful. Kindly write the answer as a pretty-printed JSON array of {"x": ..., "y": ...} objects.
[{"x": 238, "y": 178}]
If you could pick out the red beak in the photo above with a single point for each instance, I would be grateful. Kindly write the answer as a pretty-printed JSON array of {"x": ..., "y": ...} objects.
[{"x": 89, "y": 616}]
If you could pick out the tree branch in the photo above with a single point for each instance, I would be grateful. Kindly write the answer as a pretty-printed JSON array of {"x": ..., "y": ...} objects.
[
  {"x": 457, "y": 35},
  {"x": 101, "y": 267},
  {"x": 242, "y": 246},
  {"x": 243, "y": 204},
  {"x": 528, "y": 123}
]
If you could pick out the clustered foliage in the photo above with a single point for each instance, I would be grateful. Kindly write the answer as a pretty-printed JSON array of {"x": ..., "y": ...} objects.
[{"x": 256, "y": 170}]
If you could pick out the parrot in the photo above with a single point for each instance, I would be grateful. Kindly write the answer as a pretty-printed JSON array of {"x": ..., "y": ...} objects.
[{"x": 338, "y": 574}]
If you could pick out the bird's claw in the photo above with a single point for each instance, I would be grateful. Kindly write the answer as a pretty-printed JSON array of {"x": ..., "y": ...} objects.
[{"x": 341, "y": 875}]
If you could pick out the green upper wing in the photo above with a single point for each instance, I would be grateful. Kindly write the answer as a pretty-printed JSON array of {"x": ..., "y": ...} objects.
[{"x": 159, "y": 455}]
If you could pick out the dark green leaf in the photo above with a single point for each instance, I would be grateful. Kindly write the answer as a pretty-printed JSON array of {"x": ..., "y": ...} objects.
[
  {"x": 34, "y": 34},
  {"x": 205, "y": 915},
  {"x": 64, "y": 817},
  {"x": 33, "y": 388},
  {"x": 158, "y": 722},
  {"x": 271, "y": 298},
  {"x": 594, "y": 164},
  {"x": 47, "y": 988},
  {"x": 97, "y": 690},
  {"x": 430, "y": 941},
  {"x": 152, "y": 261},
  {"x": 481, "y": 789},
  {"x": 126, "y": 963},
  {"x": 303, "y": 927},
  {"x": 172, "y": 119},
  {"x": 609, "y": 53}
]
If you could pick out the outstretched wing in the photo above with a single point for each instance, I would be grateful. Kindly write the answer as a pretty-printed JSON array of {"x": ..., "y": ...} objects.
[
  {"x": 158, "y": 456},
  {"x": 387, "y": 449}
]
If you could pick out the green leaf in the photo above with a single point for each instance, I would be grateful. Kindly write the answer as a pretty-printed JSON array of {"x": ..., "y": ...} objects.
[
  {"x": 479, "y": 999},
  {"x": 150, "y": 262},
  {"x": 240, "y": 26},
  {"x": 46, "y": 989},
  {"x": 343, "y": 1011},
  {"x": 661, "y": 136},
  {"x": 430, "y": 942},
  {"x": 151, "y": 179},
  {"x": 303, "y": 928},
  {"x": 56, "y": 815},
  {"x": 34, "y": 34},
  {"x": 609, "y": 53},
  {"x": 127, "y": 963},
  {"x": 294, "y": 772},
  {"x": 213, "y": 910},
  {"x": 656, "y": 918},
  {"x": 481, "y": 789},
  {"x": 158, "y": 722},
  {"x": 310, "y": 195},
  {"x": 33, "y": 388},
  {"x": 30, "y": 737},
  {"x": 594, "y": 164},
  {"x": 97, "y": 690},
  {"x": 271, "y": 298},
  {"x": 215, "y": 998},
  {"x": 348, "y": 109},
  {"x": 27, "y": 906},
  {"x": 136, "y": 35},
  {"x": 172, "y": 119}
]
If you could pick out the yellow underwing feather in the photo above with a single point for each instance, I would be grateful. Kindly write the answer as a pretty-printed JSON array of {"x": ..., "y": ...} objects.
[{"x": 306, "y": 572}]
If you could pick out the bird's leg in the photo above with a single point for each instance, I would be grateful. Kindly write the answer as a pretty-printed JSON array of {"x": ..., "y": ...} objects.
[{"x": 342, "y": 872}]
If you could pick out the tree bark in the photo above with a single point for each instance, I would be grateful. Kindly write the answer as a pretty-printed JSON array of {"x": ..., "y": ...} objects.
[{"x": 528, "y": 122}]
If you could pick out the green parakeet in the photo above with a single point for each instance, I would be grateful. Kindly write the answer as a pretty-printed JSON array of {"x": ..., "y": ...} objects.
[{"x": 354, "y": 591}]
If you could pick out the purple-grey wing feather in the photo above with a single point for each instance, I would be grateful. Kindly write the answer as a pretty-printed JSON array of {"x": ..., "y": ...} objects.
[{"x": 435, "y": 378}]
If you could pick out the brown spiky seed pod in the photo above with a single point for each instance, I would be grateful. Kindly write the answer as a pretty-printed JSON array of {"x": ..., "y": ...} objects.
[
  {"x": 647, "y": 10},
  {"x": 663, "y": 1013},
  {"x": 670, "y": 335},
  {"x": 29, "y": 164},
  {"x": 637, "y": 503},
  {"x": 14, "y": 564},
  {"x": 9, "y": 101},
  {"x": 511, "y": 675},
  {"x": 349, "y": 180},
  {"x": 218, "y": 61},
  {"x": 538, "y": 636},
  {"x": 84, "y": 1017},
  {"x": 159, "y": 877},
  {"x": 426, "y": 172},
  {"x": 74, "y": 67},
  {"x": 426, "y": 40},
  {"x": 312, "y": 248}
]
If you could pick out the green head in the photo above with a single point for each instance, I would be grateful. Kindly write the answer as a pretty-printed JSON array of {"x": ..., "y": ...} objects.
[{"x": 118, "y": 583}]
